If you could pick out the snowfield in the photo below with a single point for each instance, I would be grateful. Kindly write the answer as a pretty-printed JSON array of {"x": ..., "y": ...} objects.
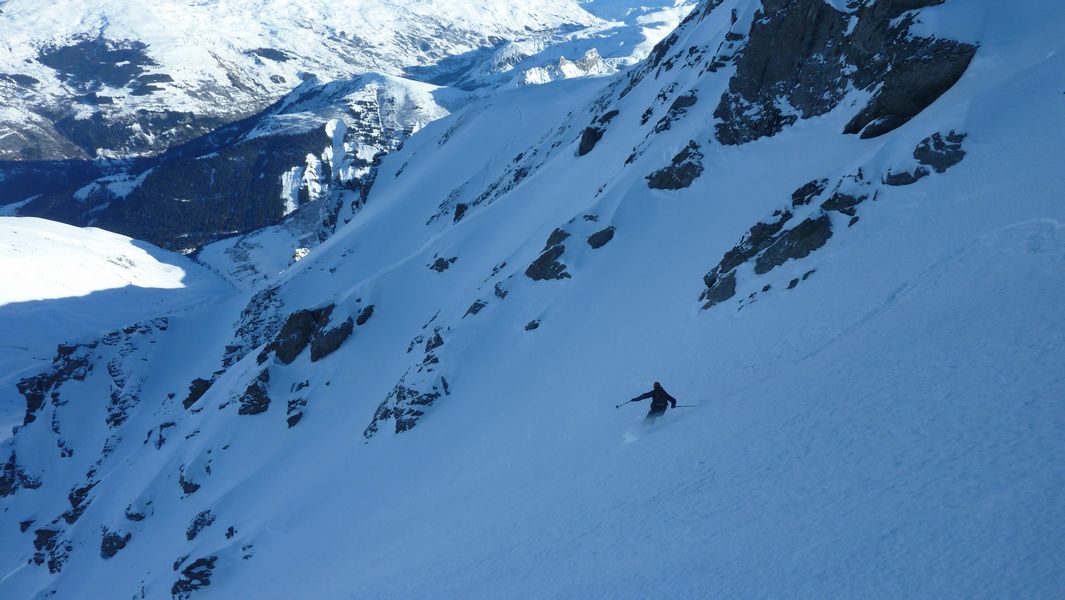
[
  {"x": 866, "y": 332},
  {"x": 50, "y": 260},
  {"x": 63, "y": 283}
]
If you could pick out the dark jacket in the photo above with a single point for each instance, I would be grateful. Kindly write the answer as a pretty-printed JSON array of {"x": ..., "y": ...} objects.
[{"x": 659, "y": 398}]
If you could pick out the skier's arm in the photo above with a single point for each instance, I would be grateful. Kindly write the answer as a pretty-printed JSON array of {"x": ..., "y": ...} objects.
[
  {"x": 642, "y": 397},
  {"x": 672, "y": 401}
]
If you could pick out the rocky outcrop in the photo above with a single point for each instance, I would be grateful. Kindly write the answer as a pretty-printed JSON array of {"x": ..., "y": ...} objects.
[
  {"x": 197, "y": 389},
  {"x": 720, "y": 290},
  {"x": 256, "y": 399},
  {"x": 797, "y": 242},
  {"x": 547, "y": 266},
  {"x": 112, "y": 542},
  {"x": 677, "y": 109},
  {"x": 14, "y": 478},
  {"x": 685, "y": 167},
  {"x": 589, "y": 138},
  {"x": 936, "y": 152},
  {"x": 364, "y": 315},
  {"x": 188, "y": 486},
  {"x": 768, "y": 245},
  {"x": 601, "y": 238},
  {"x": 803, "y": 57},
  {"x": 325, "y": 343},
  {"x": 202, "y": 521},
  {"x": 51, "y": 549},
  {"x": 442, "y": 264},
  {"x": 193, "y": 577},
  {"x": 296, "y": 334},
  {"x": 305, "y": 328},
  {"x": 71, "y": 363}
]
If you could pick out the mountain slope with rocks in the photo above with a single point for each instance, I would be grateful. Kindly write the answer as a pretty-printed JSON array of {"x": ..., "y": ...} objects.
[
  {"x": 243, "y": 159},
  {"x": 842, "y": 257}
]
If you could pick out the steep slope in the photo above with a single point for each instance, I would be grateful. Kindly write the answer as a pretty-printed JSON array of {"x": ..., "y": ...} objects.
[
  {"x": 866, "y": 324},
  {"x": 63, "y": 283}
]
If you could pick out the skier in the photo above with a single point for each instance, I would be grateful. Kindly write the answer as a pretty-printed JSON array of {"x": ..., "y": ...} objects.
[{"x": 659, "y": 398}]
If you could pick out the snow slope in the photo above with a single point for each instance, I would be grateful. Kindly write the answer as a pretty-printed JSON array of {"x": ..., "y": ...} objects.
[
  {"x": 62, "y": 283},
  {"x": 877, "y": 411}
]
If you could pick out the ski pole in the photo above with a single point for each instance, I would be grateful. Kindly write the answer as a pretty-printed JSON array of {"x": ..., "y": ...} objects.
[
  {"x": 623, "y": 404},
  {"x": 686, "y": 406}
]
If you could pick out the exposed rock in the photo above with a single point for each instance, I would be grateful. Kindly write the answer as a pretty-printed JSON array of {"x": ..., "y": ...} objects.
[
  {"x": 760, "y": 237},
  {"x": 295, "y": 411},
  {"x": 297, "y": 332},
  {"x": 721, "y": 280},
  {"x": 187, "y": 486},
  {"x": 531, "y": 325},
  {"x": 474, "y": 308},
  {"x": 255, "y": 399},
  {"x": 79, "y": 501},
  {"x": 803, "y": 56},
  {"x": 685, "y": 168},
  {"x": 136, "y": 516},
  {"x": 160, "y": 438},
  {"x": 601, "y": 238},
  {"x": 557, "y": 236},
  {"x": 197, "y": 389},
  {"x": 71, "y": 363},
  {"x": 796, "y": 243},
  {"x": 50, "y": 549},
  {"x": 608, "y": 117},
  {"x": 460, "y": 211},
  {"x": 405, "y": 406},
  {"x": 906, "y": 177},
  {"x": 112, "y": 543},
  {"x": 202, "y": 521},
  {"x": 12, "y": 477},
  {"x": 722, "y": 289},
  {"x": 440, "y": 265},
  {"x": 940, "y": 153},
  {"x": 364, "y": 316},
  {"x": 843, "y": 203},
  {"x": 327, "y": 342},
  {"x": 676, "y": 110},
  {"x": 807, "y": 192},
  {"x": 589, "y": 138},
  {"x": 434, "y": 342},
  {"x": 547, "y": 266},
  {"x": 193, "y": 577},
  {"x": 926, "y": 70}
]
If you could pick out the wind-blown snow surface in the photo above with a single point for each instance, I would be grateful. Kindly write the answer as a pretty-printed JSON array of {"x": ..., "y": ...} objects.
[{"x": 880, "y": 417}]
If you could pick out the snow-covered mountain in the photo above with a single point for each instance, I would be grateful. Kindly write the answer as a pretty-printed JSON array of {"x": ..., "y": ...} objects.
[
  {"x": 124, "y": 78},
  {"x": 823, "y": 226},
  {"x": 110, "y": 79},
  {"x": 315, "y": 146},
  {"x": 200, "y": 189},
  {"x": 62, "y": 283}
]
